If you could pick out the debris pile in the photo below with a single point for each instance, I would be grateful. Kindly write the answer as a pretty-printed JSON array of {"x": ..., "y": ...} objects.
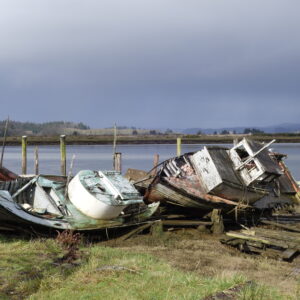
[{"x": 282, "y": 241}]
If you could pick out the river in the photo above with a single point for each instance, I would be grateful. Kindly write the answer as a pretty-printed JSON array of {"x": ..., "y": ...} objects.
[{"x": 96, "y": 157}]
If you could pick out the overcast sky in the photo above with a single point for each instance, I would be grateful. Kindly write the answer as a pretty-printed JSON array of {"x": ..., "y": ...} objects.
[{"x": 151, "y": 63}]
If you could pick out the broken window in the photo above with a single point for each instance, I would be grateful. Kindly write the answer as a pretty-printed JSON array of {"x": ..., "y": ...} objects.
[{"x": 242, "y": 153}]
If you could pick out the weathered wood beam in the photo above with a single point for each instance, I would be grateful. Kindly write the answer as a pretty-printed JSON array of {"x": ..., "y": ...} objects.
[
  {"x": 288, "y": 227},
  {"x": 185, "y": 223}
]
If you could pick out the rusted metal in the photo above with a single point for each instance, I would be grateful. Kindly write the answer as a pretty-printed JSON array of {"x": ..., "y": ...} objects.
[{"x": 6, "y": 175}]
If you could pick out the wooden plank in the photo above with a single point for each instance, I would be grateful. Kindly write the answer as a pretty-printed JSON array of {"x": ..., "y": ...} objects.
[
  {"x": 185, "y": 223},
  {"x": 280, "y": 235},
  {"x": 134, "y": 232},
  {"x": 287, "y": 227},
  {"x": 289, "y": 253},
  {"x": 258, "y": 239}
]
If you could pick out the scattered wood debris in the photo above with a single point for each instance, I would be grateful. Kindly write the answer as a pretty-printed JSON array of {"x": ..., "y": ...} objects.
[{"x": 272, "y": 243}]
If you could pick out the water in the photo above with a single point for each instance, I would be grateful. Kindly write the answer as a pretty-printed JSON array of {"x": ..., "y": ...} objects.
[{"x": 96, "y": 157}]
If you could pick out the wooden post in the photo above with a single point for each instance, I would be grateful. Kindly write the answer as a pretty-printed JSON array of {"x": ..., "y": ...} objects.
[
  {"x": 178, "y": 146},
  {"x": 63, "y": 156},
  {"x": 36, "y": 160},
  {"x": 69, "y": 175},
  {"x": 4, "y": 141},
  {"x": 114, "y": 144},
  {"x": 24, "y": 154},
  {"x": 118, "y": 162},
  {"x": 217, "y": 219},
  {"x": 155, "y": 163}
]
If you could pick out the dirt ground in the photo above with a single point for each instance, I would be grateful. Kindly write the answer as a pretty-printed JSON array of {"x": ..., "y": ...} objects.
[{"x": 203, "y": 253}]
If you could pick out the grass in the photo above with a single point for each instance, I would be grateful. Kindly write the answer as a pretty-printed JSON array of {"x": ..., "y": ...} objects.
[{"x": 30, "y": 270}]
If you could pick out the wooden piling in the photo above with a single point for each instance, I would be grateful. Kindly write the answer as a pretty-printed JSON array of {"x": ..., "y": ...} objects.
[
  {"x": 178, "y": 146},
  {"x": 36, "y": 160},
  {"x": 4, "y": 141},
  {"x": 63, "y": 156},
  {"x": 118, "y": 162},
  {"x": 24, "y": 154},
  {"x": 155, "y": 163},
  {"x": 217, "y": 220},
  {"x": 115, "y": 139}
]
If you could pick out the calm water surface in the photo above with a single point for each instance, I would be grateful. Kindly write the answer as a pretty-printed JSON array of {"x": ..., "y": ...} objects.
[{"x": 96, "y": 157}]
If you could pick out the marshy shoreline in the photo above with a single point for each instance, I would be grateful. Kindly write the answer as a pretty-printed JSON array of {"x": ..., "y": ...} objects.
[{"x": 148, "y": 139}]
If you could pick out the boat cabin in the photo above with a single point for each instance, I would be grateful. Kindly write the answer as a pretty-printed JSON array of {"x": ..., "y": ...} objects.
[{"x": 253, "y": 162}]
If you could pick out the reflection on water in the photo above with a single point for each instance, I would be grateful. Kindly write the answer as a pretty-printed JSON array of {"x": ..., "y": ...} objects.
[{"x": 96, "y": 157}]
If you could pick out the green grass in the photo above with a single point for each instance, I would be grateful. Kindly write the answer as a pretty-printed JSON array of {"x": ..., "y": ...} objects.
[{"x": 29, "y": 270}]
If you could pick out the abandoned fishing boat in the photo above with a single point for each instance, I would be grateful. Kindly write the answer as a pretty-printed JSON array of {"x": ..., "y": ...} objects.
[
  {"x": 245, "y": 176},
  {"x": 92, "y": 200}
]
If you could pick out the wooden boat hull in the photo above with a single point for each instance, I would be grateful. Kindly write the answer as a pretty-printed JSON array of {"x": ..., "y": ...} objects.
[{"x": 187, "y": 196}]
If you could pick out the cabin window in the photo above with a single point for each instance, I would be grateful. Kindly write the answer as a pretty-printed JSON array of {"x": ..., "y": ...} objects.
[
  {"x": 250, "y": 165},
  {"x": 242, "y": 153}
]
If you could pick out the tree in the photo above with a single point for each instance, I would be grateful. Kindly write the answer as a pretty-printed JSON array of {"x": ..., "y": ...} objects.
[
  {"x": 253, "y": 131},
  {"x": 134, "y": 132},
  {"x": 224, "y": 131}
]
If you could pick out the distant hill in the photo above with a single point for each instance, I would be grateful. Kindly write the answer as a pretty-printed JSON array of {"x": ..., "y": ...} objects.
[
  {"x": 282, "y": 128},
  {"x": 16, "y": 128},
  {"x": 49, "y": 128},
  {"x": 69, "y": 128}
]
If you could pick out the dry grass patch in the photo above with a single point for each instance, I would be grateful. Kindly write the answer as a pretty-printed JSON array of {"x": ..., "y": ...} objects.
[{"x": 206, "y": 256}]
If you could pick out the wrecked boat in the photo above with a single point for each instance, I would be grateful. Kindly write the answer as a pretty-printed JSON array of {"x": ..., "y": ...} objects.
[
  {"x": 247, "y": 175},
  {"x": 92, "y": 200}
]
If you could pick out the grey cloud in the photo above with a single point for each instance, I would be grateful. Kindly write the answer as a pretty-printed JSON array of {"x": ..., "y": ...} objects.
[{"x": 217, "y": 61}]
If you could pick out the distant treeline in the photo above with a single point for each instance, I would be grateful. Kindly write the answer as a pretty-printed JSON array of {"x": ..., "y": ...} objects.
[{"x": 41, "y": 129}]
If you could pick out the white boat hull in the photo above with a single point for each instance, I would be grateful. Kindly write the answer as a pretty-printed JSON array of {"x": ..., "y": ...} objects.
[{"x": 89, "y": 205}]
